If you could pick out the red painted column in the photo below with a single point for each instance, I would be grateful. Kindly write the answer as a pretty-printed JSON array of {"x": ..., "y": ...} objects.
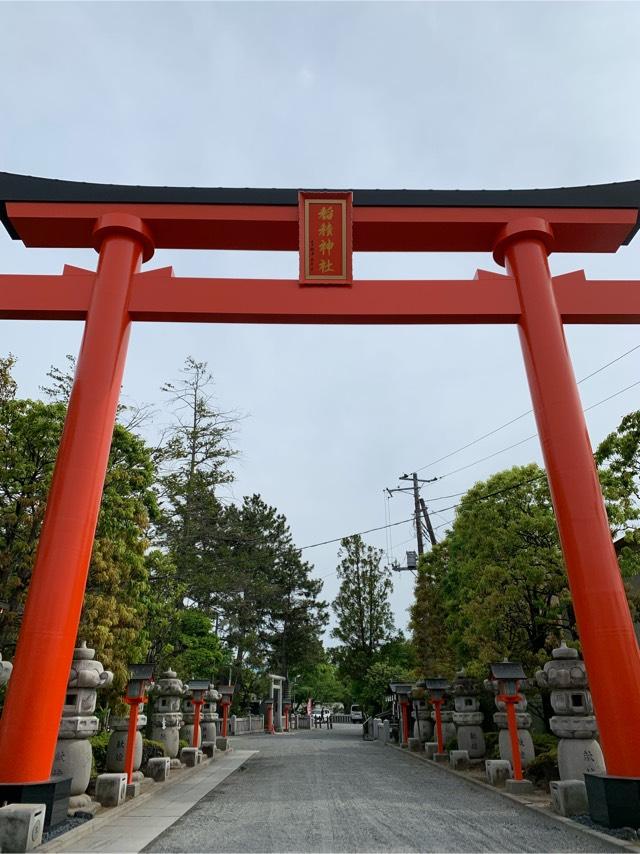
[
  {"x": 404, "y": 706},
  {"x": 608, "y": 640},
  {"x": 52, "y": 613},
  {"x": 197, "y": 705},
  {"x": 437, "y": 705},
  {"x": 512, "y": 723},
  {"x": 132, "y": 732},
  {"x": 225, "y": 718}
]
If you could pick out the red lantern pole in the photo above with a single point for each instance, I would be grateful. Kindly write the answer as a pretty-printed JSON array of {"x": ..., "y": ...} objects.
[
  {"x": 197, "y": 705},
  {"x": 134, "y": 705},
  {"x": 437, "y": 705},
  {"x": 602, "y": 613},
  {"x": 510, "y": 702},
  {"x": 225, "y": 717},
  {"x": 404, "y": 705},
  {"x": 56, "y": 593}
]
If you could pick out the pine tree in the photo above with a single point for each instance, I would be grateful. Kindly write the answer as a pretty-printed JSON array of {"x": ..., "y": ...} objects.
[{"x": 362, "y": 608}]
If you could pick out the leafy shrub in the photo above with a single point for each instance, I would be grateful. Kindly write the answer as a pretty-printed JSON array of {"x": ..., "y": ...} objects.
[
  {"x": 452, "y": 744},
  {"x": 543, "y": 769},
  {"x": 491, "y": 742},
  {"x": 151, "y": 749},
  {"x": 99, "y": 744}
]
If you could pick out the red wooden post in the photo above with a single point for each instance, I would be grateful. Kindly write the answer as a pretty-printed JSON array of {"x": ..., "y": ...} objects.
[
  {"x": 404, "y": 705},
  {"x": 225, "y": 717},
  {"x": 510, "y": 704},
  {"x": 602, "y": 613},
  {"x": 197, "y": 705},
  {"x": 134, "y": 705},
  {"x": 437, "y": 705}
]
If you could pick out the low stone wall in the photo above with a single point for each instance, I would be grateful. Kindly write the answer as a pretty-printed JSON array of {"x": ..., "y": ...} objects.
[{"x": 245, "y": 726}]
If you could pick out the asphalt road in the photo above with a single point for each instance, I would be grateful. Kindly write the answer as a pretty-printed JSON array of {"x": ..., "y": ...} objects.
[{"x": 330, "y": 791}]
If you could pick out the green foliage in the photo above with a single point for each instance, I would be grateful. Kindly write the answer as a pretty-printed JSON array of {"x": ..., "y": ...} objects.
[
  {"x": 177, "y": 575},
  {"x": 151, "y": 749},
  {"x": 496, "y": 586},
  {"x": 362, "y": 609},
  {"x": 197, "y": 651},
  {"x": 99, "y": 744},
  {"x": 322, "y": 683},
  {"x": 491, "y": 744},
  {"x": 544, "y": 767}
]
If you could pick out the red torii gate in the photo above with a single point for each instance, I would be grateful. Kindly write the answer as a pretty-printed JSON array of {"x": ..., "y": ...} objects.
[{"x": 126, "y": 224}]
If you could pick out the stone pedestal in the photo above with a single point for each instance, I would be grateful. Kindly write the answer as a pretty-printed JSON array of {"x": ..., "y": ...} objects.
[
  {"x": 569, "y": 797},
  {"x": 21, "y": 826},
  {"x": 117, "y": 747},
  {"x": 574, "y": 722},
  {"x": 73, "y": 756},
  {"x": 166, "y": 718},
  {"x": 498, "y": 771},
  {"x": 111, "y": 789},
  {"x": 467, "y": 716}
]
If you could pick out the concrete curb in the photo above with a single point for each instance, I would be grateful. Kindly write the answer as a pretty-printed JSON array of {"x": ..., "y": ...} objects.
[
  {"x": 612, "y": 841},
  {"x": 106, "y": 814}
]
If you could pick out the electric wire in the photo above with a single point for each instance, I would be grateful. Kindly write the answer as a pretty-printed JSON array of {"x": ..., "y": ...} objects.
[
  {"x": 533, "y": 435},
  {"x": 523, "y": 414}
]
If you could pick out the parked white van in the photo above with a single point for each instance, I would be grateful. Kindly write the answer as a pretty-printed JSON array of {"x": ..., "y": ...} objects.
[{"x": 356, "y": 715}]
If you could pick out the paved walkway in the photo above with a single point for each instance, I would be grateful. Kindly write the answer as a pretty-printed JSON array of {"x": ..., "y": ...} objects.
[
  {"x": 132, "y": 826},
  {"x": 330, "y": 791}
]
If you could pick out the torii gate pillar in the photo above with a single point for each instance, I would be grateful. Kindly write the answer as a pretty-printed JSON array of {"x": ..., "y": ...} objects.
[{"x": 599, "y": 600}]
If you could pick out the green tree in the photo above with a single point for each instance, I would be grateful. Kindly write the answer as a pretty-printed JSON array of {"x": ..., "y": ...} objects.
[
  {"x": 271, "y": 616},
  {"x": 322, "y": 683},
  {"x": 497, "y": 585},
  {"x": 362, "y": 609},
  {"x": 194, "y": 458},
  {"x": 114, "y": 614}
]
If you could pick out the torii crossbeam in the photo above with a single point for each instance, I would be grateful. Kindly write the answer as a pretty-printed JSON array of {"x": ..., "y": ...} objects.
[{"x": 126, "y": 224}]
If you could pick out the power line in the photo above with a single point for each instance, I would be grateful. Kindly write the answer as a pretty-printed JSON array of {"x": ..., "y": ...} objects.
[
  {"x": 522, "y": 415},
  {"x": 534, "y": 435}
]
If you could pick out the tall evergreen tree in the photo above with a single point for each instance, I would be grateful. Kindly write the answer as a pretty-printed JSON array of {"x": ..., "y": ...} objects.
[
  {"x": 194, "y": 458},
  {"x": 362, "y": 607}
]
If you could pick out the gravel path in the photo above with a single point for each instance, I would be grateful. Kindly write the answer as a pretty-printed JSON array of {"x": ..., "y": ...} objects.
[{"x": 330, "y": 791}]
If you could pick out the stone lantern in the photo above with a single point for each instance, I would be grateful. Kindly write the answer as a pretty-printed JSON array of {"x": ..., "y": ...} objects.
[
  {"x": 209, "y": 718},
  {"x": 438, "y": 689},
  {"x": 166, "y": 718},
  {"x": 510, "y": 685},
  {"x": 467, "y": 716},
  {"x": 5, "y": 671},
  {"x": 574, "y": 722},
  {"x": 73, "y": 750}
]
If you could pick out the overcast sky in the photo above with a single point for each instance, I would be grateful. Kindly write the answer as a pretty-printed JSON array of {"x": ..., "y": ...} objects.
[{"x": 342, "y": 95}]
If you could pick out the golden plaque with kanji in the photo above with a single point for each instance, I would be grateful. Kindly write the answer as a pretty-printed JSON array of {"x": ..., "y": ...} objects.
[{"x": 325, "y": 238}]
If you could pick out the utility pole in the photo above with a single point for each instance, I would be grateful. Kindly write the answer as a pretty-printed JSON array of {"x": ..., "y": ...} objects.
[
  {"x": 420, "y": 509},
  {"x": 427, "y": 521},
  {"x": 416, "y": 505}
]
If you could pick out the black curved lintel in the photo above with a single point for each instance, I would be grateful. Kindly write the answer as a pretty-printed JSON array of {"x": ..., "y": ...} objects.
[{"x": 26, "y": 188}]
